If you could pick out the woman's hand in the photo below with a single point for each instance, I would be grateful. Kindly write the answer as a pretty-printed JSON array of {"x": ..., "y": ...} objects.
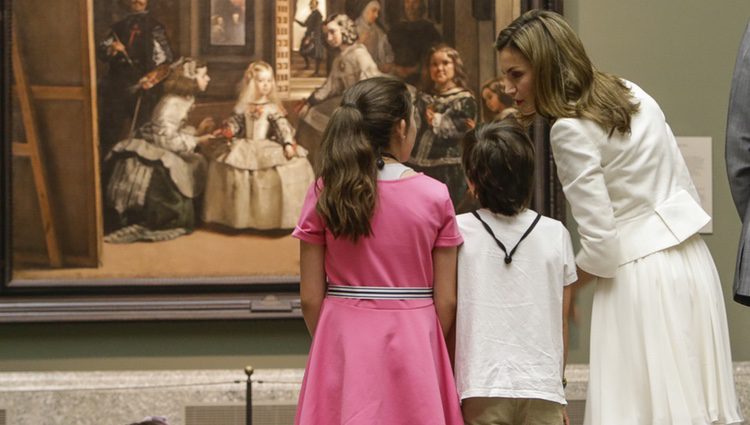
[
  {"x": 205, "y": 139},
  {"x": 429, "y": 115},
  {"x": 206, "y": 126},
  {"x": 289, "y": 150}
]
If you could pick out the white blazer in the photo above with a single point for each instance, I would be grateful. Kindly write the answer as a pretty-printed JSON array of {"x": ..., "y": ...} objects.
[{"x": 630, "y": 194}]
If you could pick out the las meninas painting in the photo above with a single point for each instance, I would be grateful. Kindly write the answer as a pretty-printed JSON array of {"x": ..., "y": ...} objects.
[{"x": 170, "y": 143}]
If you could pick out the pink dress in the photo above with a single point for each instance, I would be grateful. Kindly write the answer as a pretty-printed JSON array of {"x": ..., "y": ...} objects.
[{"x": 382, "y": 361}]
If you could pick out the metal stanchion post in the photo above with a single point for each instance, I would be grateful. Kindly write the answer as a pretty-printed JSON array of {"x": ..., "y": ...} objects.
[{"x": 249, "y": 396}]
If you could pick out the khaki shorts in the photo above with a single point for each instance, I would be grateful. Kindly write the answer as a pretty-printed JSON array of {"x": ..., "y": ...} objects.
[{"x": 511, "y": 411}]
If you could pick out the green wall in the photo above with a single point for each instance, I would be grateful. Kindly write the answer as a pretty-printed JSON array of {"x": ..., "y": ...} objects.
[
  {"x": 681, "y": 51},
  {"x": 153, "y": 345}
]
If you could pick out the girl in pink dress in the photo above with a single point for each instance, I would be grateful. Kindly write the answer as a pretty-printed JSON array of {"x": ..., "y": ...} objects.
[{"x": 378, "y": 272}]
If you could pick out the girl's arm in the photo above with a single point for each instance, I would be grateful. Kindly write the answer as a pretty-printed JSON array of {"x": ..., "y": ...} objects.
[
  {"x": 282, "y": 129},
  {"x": 312, "y": 286},
  {"x": 444, "y": 272}
]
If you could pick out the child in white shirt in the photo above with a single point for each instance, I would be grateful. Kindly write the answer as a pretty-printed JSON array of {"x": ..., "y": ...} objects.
[{"x": 514, "y": 274}]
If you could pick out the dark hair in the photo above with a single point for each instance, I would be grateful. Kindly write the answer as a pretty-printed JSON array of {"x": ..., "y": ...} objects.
[
  {"x": 125, "y": 4},
  {"x": 498, "y": 159},
  {"x": 349, "y": 33},
  {"x": 358, "y": 131},
  {"x": 421, "y": 11}
]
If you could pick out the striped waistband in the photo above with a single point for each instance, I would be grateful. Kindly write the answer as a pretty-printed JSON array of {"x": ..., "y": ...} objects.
[{"x": 378, "y": 292}]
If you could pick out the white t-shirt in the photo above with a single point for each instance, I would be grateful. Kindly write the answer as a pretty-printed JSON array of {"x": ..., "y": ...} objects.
[{"x": 509, "y": 316}]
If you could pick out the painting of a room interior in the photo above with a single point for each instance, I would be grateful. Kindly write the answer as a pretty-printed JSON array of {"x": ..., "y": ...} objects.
[{"x": 172, "y": 141}]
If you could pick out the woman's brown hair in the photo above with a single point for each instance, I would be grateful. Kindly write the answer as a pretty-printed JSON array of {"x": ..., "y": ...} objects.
[
  {"x": 458, "y": 66},
  {"x": 566, "y": 85}
]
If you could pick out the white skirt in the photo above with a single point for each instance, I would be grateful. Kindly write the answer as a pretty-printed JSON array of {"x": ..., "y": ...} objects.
[{"x": 659, "y": 343}]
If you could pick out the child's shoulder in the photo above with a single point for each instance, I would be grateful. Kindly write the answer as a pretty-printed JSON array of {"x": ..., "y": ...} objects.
[
  {"x": 545, "y": 224},
  {"x": 428, "y": 185},
  {"x": 549, "y": 221},
  {"x": 550, "y": 226}
]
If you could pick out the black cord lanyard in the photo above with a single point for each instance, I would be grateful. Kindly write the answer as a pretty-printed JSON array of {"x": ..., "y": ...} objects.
[
  {"x": 381, "y": 163},
  {"x": 508, "y": 257}
]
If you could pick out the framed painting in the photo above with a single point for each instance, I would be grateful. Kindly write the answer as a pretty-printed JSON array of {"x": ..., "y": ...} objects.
[
  {"x": 227, "y": 27},
  {"x": 107, "y": 162},
  {"x": 66, "y": 90}
]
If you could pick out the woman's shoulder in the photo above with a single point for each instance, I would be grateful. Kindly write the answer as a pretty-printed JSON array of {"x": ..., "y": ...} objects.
[{"x": 573, "y": 127}]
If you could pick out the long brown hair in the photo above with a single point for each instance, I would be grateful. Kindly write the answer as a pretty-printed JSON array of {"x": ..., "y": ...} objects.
[
  {"x": 358, "y": 131},
  {"x": 566, "y": 84},
  {"x": 458, "y": 67}
]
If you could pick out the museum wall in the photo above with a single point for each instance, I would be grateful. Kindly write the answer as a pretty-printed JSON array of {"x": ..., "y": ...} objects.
[{"x": 681, "y": 51}]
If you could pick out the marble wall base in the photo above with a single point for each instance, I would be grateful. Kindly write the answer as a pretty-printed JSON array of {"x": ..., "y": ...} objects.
[{"x": 120, "y": 398}]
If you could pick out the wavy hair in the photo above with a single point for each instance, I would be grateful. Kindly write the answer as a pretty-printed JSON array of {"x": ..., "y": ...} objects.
[
  {"x": 349, "y": 33},
  {"x": 566, "y": 84},
  {"x": 498, "y": 160},
  {"x": 495, "y": 85},
  {"x": 458, "y": 65},
  {"x": 358, "y": 131},
  {"x": 248, "y": 88}
]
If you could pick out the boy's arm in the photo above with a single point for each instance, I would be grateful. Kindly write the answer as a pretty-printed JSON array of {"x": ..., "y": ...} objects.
[
  {"x": 568, "y": 298},
  {"x": 444, "y": 287},
  {"x": 567, "y": 302}
]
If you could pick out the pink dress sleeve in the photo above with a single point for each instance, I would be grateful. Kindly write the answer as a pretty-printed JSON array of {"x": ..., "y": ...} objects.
[
  {"x": 448, "y": 234},
  {"x": 310, "y": 227}
]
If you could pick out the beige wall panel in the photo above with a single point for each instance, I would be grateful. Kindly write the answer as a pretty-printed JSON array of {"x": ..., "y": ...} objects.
[
  {"x": 70, "y": 173},
  {"x": 52, "y": 51}
]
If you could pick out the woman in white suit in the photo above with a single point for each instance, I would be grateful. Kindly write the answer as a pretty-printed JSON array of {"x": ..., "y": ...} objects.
[{"x": 659, "y": 342}]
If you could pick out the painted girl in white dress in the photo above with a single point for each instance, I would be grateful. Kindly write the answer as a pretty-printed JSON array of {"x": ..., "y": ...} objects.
[{"x": 259, "y": 178}]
